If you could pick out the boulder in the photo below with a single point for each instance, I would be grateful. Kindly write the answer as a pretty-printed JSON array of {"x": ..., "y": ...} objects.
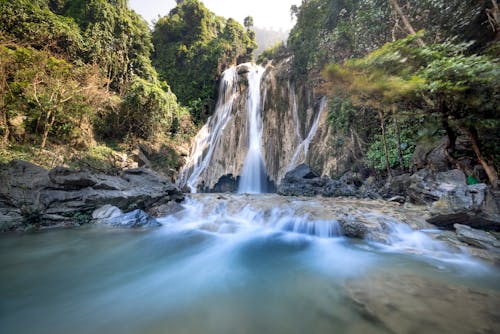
[
  {"x": 133, "y": 219},
  {"x": 335, "y": 188},
  {"x": 396, "y": 186},
  {"x": 302, "y": 171},
  {"x": 106, "y": 212},
  {"x": 353, "y": 229},
  {"x": 431, "y": 155},
  {"x": 426, "y": 187},
  {"x": 303, "y": 181},
  {"x": 477, "y": 238},
  {"x": 471, "y": 205}
]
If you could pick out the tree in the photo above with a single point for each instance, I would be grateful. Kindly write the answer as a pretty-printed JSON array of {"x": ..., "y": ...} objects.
[
  {"x": 193, "y": 47},
  {"x": 248, "y": 22},
  {"x": 439, "y": 79},
  {"x": 406, "y": 21}
]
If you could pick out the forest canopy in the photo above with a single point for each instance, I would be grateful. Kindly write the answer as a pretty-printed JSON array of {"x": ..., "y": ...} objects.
[{"x": 193, "y": 46}]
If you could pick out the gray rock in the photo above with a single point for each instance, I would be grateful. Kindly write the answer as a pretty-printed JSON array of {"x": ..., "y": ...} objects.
[
  {"x": 303, "y": 181},
  {"x": 335, "y": 188},
  {"x": 37, "y": 193},
  {"x": 302, "y": 171},
  {"x": 426, "y": 187},
  {"x": 106, "y": 212},
  {"x": 477, "y": 238},
  {"x": 68, "y": 179},
  {"x": 133, "y": 219},
  {"x": 396, "y": 186},
  {"x": 166, "y": 209},
  {"x": 433, "y": 156},
  {"x": 353, "y": 229},
  {"x": 397, "y": 199},
  {"x": 471, "y": 205}
]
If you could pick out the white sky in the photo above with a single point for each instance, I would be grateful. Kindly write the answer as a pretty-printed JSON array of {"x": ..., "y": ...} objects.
[{"x": 266, "y": 13}]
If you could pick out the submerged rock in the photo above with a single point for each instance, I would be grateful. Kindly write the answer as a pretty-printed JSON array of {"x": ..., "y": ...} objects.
[
  {"x": 404, "y": 303},
  {"x": 133, "y": 219}
]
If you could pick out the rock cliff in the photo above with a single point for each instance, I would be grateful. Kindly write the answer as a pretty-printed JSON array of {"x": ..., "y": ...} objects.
[{"x": 294, "y": 130}]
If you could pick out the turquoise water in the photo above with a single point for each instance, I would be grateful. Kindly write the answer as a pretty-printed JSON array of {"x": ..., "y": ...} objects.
[{"x": 228, "y": 273}]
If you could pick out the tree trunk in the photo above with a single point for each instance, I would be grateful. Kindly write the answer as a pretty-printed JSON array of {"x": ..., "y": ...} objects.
[
  {"x": 489, "y": 169},
  {"x": 493, "y": 15},
  {"x": 384, "y": 141},
  {"x": 450, "y": 133},
  {"x": 406, "y": 22},
  {"x": 5, "y": 125},
  {"x": 400, "y": 152},
  {"x": 49, "y": 121}
]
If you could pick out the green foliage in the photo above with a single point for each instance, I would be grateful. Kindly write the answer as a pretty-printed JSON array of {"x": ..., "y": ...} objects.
[
  {"x": 276, "y": 51},
  {"x": 92, "y": 71},
  {"x": 342, "y": 114},
  {"x": 117, "y": 39},
  {"x": 335, "y": 30},
  {"x": 33, "y": 23},
  {"x": 192, "y": 48},
  {"x": 50, "y": 95},
  {"x": 439, "y": 81},
  {"x": 148, "y": 110},
  {"x": 375, "y": 155}
]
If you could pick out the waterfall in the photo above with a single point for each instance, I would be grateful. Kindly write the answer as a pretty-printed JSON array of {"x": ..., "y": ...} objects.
[
  {"x": 302, "y": 150},
  {"x": 253, "y": 176},
  {"x": 207, "y": 138}
]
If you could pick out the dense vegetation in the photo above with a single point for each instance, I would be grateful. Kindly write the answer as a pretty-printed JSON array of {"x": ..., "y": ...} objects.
[
  {"x": 334, "y": 30},
  {"x": 75, "y": 71},
  {"x": 192, "y": 48},
  {"x": 382, "y": 73}
]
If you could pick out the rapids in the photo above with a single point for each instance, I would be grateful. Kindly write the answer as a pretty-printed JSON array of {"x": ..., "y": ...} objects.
[{"x": 248, "y": 264}]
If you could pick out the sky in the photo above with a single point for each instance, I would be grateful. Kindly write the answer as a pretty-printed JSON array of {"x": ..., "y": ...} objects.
[{"x": 266, "y": 13}]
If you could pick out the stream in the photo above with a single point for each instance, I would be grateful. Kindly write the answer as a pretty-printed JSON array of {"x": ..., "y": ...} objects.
[{"x": 246, "y": 264}]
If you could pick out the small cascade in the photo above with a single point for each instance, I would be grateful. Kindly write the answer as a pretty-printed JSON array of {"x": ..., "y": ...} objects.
[
  {"x": 207, "y": 138},
  {"x": 300, "y": 154},
  {"x": 253, "y": 175}
]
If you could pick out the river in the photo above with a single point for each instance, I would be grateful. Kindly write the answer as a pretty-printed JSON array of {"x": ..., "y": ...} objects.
[{"x": 245, "y": 264}]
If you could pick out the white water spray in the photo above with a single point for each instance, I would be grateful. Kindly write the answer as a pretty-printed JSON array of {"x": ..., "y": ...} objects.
[
  {"x": 253, "y": 173},
  {"x": 302, "y": 150},
  {"x": 207, "y": 138}
]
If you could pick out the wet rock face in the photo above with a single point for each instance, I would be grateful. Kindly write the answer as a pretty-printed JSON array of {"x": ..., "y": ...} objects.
[{"x": 33, "y": 195}]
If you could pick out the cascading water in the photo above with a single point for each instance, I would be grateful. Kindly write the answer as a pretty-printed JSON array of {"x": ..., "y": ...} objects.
[
  {"x": 253, "y": 176},
  {"x": 207, "y": 138},
  {"x": 300, "y": 154}
]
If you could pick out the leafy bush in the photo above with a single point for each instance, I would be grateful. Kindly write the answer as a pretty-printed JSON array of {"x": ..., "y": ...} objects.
[
  {"x": 375, "y": 155},
  {"x": 276, "y": 51}
]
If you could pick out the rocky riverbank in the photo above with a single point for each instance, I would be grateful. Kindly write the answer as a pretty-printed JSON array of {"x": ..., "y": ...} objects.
[
  {"x": 445, "y": 199},
  {"x": 32, "y": 197}
]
